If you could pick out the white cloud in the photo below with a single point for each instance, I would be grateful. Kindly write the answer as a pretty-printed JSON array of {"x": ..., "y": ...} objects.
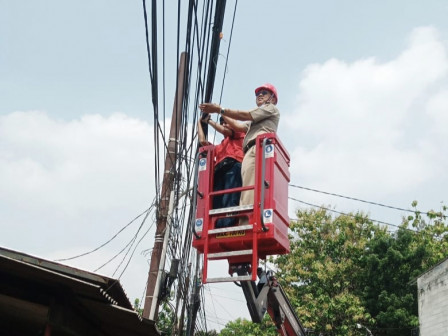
[
  {"x": 92, "y": 160},
  {"x": 371, "y": 127},
  {"x": 69, "y": 186},
  {"x": 71, "y": 183}
]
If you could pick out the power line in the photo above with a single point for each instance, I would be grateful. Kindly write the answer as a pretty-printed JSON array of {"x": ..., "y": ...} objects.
[
  {"x": 351, "y": 215},
  {"x": 341, "y": 213},
  {"x": 132, "y": 254},
  {"x": 107, "y": 242},
  {"x": 228, "y": 51},
  {"x": 198, "y": 38},
  {"x": 360, "y": 200}
]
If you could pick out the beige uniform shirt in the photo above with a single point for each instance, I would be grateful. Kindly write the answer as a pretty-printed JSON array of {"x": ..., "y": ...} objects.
[{"x": 265, "y": 120}]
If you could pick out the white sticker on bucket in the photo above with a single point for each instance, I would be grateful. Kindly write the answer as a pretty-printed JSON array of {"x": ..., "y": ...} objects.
[
  {"x": 269, "y": 151},
  {"x": 268, "y": 215},
  {"x": 198, "y": 225},
  {"x": 202, "y": 164}
]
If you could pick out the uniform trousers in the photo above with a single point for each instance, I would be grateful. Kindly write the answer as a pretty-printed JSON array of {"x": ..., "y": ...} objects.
[{"x": 248, "y": 176}]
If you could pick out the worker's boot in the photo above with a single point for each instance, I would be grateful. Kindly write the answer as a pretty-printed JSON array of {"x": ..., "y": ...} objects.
[{"x": 240, "y": 269}]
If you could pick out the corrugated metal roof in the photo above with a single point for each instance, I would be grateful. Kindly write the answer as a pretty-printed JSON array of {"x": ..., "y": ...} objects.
[
  {"x": 32, "y": 285},
  {"x": 111, "y": 286}
]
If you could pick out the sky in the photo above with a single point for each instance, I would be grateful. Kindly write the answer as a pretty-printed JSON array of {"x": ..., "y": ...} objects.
[{"x": 363, "y": 97}]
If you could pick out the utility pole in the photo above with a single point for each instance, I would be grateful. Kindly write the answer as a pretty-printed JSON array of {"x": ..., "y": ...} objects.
[{"x": 157, "y": 265}]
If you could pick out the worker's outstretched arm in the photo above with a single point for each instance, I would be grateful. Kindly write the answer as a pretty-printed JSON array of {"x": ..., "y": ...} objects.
[
  {"x": 220, "y": 128},
  {"x": 201, "y": 136},
  {"x": 236, "y": 126},
  {"x": 234, "y": 114}
]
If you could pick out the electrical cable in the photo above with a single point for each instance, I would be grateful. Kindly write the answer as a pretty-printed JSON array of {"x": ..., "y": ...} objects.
[
  {"x": 351, "y": 215},
  {"x": 132, "y": 242},
  {"x": 107, "y": 242},
  {"x": 197, "y": 38},
  {"x": 340, "y": 213},
  {"x": 359, "y": 200},
  {"x": 116, "y": 255},
  {"x": 132, "y": 254},
  {"x": 228, "y": 52}
]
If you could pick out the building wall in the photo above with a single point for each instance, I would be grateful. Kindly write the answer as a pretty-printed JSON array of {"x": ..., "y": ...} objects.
[{"x": 433, "y": 301}]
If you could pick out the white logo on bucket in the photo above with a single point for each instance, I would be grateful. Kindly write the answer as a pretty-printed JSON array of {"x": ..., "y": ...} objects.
[
  {"x": 202, "y": 164},
  {"x": 269, "y": 151},
  {"x": 267, "y": 214},
  {"x": 198, "y": 224}
]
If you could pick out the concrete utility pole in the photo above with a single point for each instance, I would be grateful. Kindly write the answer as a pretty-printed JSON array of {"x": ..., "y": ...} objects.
[{"x": 157, "y": 265}]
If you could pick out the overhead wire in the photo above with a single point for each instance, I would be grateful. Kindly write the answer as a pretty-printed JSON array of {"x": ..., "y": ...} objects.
[
  {"x": 226, "y": 64},
  {"x": 211, "y": 300},
  {"x": 132, "y": 243},
  {"x": 198, "y": 39},
  {"x": 228, "y": 52},
  {"x": 358, "y": 199},
  {"x": 154, "y": 98},
  {"x": 354, "y": 216},
  {"x": 187, "y": 153},
  {"x": 132, "y": 254},
  {"x": 109, "y": 240}
]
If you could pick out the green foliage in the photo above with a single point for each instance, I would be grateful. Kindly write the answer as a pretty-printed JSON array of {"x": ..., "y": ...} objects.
[
  {"x": 166, "y": 319},
  {"x": 347, "y": 270},
  {"x": 206, "y": 333},
  {"x": 137, "y": 307},
  {"x": 242, "y": 327},
  {"x": 392, "y": 265},
  {"x": 321, "y": 274}
]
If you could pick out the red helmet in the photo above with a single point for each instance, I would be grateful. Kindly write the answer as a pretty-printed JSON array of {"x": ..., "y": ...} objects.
[{"x": 269, "y": 87}]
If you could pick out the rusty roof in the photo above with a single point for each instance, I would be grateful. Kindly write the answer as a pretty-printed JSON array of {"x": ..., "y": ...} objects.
[{"x": 35, "y": 292}]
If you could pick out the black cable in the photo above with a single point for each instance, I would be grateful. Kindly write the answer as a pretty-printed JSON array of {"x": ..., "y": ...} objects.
[
  {"x": 107, "y": 242},
  {"x": 132, "y": 243},
  {"x": 116, "y": 255},
  {"x": 154, "y": 101},
  {"x": 197, "y": 40},
  {"x": 225, "y": 67},
  {"x": 132, "y": 254},
  {"x": 228, "y": 51},
  {"x": 359, "y": 200},
  {"x": 350, "y": 215},
  {"x": 147, "y": 40}
]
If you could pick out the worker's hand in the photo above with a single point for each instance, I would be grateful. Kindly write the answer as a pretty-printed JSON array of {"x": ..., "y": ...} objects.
[
  {"x": 206, "y": 143},
  {"x": 206, "y": 117},
  {"x": 210, "y": 108}
]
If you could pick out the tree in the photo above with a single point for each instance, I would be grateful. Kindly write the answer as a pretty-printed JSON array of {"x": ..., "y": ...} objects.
[
  {"x": 206, "y": 333},
  {"x": 243, "y": 327},
  {"x": 166, "y": 319},
  {"x": 321, "y": 275},
  {"x": 347, "y": 270},
  {"x": 392, "y": 264},
  {"x": 137, "y": 307}
]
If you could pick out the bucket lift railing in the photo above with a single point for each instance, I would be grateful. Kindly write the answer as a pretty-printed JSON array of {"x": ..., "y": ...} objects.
[{"x": 266, "y": 233}]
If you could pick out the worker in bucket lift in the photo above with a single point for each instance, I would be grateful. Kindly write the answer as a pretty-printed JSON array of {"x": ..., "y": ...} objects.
[
  {"x": 227, "y": 172},
  {"x": 262, "y": 119}
]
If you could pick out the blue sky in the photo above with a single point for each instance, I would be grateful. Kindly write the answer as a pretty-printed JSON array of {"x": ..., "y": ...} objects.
[{"x": 363, "y": 89}]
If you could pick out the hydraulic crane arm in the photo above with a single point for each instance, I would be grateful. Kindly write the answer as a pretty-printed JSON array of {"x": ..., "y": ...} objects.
[{"x": 269, "y": 296}]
